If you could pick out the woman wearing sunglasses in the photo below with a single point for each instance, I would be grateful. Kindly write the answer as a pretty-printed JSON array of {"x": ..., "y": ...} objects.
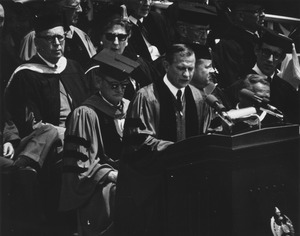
[{"x": 111, "y": 33}]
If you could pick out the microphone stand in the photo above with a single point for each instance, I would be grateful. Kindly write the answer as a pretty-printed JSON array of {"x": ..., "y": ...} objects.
[
  {"x": 279, "y": 116},
  {"x": 227, "y": 123}
]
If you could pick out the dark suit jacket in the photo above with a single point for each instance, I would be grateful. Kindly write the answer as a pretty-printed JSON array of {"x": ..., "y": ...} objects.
[{"x": 159, "y": 36}]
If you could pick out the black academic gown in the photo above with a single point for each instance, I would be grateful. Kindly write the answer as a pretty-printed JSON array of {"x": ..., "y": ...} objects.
[
  {"x": 150, "y": 130},
  {"x": 159, "y": 36},
  {"x": 36, "y": 96}
]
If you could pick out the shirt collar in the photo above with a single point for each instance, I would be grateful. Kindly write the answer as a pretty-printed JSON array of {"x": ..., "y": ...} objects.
[
  {"x": 109, "y": 103},
  {"x": 59, "y": 66},
  {"x": 69, "y": 34},
  {"x": 134, "y": 20},
  {"x": 172, "y": 88},
  {"x": 259, "y": 72},
  {"x": 47, "y": 62}
]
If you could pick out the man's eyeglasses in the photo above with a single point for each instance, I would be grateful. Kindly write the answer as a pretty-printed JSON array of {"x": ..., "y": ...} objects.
[
  {"x": 116, "y": 86},
  {"x": 51, "y": 39},
  {"x": 267, "y": 53},
  {"x": 112, "y": 37}
]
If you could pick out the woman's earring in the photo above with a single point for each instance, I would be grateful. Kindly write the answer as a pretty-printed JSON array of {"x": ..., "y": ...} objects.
[{"x": 101, "y": 43}]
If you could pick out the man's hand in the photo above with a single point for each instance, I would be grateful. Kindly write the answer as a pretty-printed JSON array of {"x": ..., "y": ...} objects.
[
  {"x": 8, "y": 150},
  {"x": 113, "y": 176}
]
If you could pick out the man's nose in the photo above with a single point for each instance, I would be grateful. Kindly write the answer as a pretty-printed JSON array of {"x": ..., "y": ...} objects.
[
  {"x": 187, "y": 72},
  {"x": 56, "y": 41}
]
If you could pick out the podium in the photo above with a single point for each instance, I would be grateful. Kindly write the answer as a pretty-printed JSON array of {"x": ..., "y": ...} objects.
[{"x": 230, "y": 184}]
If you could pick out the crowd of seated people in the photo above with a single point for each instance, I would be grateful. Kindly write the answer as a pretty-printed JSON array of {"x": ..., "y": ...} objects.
[{"x": 103, "y": 106}]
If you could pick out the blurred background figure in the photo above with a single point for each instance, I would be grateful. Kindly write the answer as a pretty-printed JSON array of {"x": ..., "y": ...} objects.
[
  {"x": 205, "y": 75},
  {"x": 233, "y": 54},
  {"x": 16, "y": 24}
]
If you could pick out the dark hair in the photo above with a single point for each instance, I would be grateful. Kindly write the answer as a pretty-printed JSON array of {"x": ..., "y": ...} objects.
[
  {"x": 105, "y": 19},
  {"x": 117, "y": 20},
  {"x": 182, "y": 49}
]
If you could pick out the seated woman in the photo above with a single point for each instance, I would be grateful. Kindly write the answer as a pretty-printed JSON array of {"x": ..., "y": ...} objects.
[
  {"x": 112, "y": 35},
  {"x": 93, "y": 143}
]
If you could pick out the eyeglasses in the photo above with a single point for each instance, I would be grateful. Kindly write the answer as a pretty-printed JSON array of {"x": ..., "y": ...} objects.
[
  {"x": 112, "y": 37},
  {"x": 267, "y": 53},
  {"x": 51, "y": 39},
  {"x": 116, "y": 86}
]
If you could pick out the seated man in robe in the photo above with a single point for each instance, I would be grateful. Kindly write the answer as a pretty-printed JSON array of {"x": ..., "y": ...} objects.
[
  {"x": 47, "y": 88},
  {"x": 93, "y": 146}
]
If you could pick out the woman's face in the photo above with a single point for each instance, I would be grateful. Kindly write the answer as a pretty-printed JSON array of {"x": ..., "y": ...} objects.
[{"x": 115, "y": 39}]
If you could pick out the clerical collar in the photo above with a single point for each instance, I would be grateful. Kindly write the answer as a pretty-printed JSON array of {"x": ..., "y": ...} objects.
[
  {"x": 259, "y": 72},
  {"x": 134, "y": 20},
  {"x": 172, "y": 88}
]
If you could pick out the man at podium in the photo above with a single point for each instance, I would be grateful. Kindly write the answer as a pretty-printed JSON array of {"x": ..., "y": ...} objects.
[{"x": 161, "y": 114}]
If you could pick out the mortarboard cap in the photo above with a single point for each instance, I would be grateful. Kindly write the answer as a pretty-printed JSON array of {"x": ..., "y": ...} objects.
[
  {"x": 45, "y": 21},
  {"x": 192, "y": 12},
  {"x": 201, "y": 51},
  {"x": 115, "y": 65},
  {"x": 275, "y": 39}
]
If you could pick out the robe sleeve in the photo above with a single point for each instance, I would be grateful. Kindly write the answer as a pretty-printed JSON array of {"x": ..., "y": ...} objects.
[
  {"x": 83, "y": 169},
  {"x": 20, "y": 102},
  {"x": 142, "y": 122}
]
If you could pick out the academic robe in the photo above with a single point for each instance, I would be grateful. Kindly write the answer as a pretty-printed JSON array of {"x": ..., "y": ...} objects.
[
  {"x": 159, "y": 36},
  {"x": 150, "y": 129},
  {"x": 92, "y": 149},
  {"x": 35, "y": 95}
]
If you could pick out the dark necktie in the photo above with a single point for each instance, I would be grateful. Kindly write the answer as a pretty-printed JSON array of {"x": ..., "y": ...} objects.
[
  {"x": 178, "y": 100},
  {"x": 143, "y": 30}
]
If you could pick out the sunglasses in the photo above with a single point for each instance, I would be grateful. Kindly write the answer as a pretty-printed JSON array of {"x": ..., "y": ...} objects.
[
  {"x": 267, "y": 53},
  {"x": 112, "y": 37},
  {"x": 116, "y": 86}
]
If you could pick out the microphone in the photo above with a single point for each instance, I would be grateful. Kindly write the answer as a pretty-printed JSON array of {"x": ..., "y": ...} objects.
[
  {"x": 213, "y": 102},
  {"x": 258, "y": 101}
]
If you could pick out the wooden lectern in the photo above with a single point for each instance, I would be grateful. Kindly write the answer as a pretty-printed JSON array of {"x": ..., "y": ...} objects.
[{"x": 230, "y": 184}]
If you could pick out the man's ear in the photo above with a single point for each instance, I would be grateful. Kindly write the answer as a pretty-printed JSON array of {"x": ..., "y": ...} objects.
[{"x": 166, "y": 65}]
